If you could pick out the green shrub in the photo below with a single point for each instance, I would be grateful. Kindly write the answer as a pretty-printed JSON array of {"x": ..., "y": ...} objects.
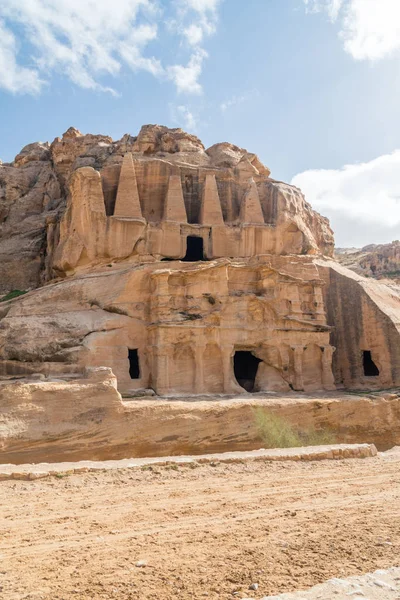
[
  {"x": 13, "y": 294},
  {"x": 276, "y": 432},
  {"x": 173, "y": 467}
]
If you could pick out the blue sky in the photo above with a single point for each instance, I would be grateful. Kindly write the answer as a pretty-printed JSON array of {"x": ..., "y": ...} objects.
[{"x": 312, "y": 87}]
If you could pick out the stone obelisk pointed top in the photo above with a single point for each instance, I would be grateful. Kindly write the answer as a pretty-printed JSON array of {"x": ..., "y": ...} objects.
[
  {"x": 250, "y": 210},
  {"x": 174, "y": 207},
  {"x": 128, "y": 203},
  {"x": 210, "y": 211}
]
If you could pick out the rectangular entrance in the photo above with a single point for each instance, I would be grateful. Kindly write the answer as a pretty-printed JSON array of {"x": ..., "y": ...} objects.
[
  {"x": 194, "y": 249},
  {"x": 245, "y": 366},
  {"x": 370, "y": 368},
  {"x": 134, "y": 366}
]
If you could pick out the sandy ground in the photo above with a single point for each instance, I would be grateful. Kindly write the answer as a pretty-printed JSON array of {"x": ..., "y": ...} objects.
[{"x": 203, "y": 532}]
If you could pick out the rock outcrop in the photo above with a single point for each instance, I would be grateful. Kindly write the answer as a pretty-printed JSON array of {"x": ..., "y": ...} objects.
[
  {"x": 379, "y": 261},
  {"x": 185, "y": 321},
  {"x": 185, "y": 270},
  {"x": 42, "y": 189},
  {"x": 365, "y": 315},
  {"x": 86, "y": 419}
]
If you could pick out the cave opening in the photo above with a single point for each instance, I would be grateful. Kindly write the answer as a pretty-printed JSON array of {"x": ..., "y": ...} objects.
[
  {"x": 245, "y": 366},
  {"x": 134, "y": 366},
  {"x": 370, "y": 368},
  {"x": 194, "y": 249}
]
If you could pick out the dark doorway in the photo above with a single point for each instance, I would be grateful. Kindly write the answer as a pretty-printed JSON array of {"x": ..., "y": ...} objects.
[
  {"x": 370, "y": 368},
  {"x": 245, "y": 366},
  {"x": 194, "y": 249},
  {"x": 134, "y": 367}
]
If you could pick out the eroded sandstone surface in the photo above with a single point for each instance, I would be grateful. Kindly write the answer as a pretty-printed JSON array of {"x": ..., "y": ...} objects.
[
  {"x": 87, "y": 419},
  {"x": 186, "y": 271},
  {"x": 37, "y": 190},
  {"x": 381, "y": 261}
]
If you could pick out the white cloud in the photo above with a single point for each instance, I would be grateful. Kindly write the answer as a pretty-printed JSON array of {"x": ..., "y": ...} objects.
[
  {"x": 369, "y": 29},
  {"x": 202, "y": 6},
  {"x": 332, "y": 7},
  {"x": 195, "y": 20},
  {"x": 365, "y": 196},
  {"x": 186, "y": 78},
  {"x": 201, "y": 18},
  {"x": 130, "y": 50},
  {"x": 80, "y": 39},
  {"x": 237, "y": 100},
  {"x": 183, "y": 116},
  {"x": 234, "y": 101},
  {"x": 86, "y": 40},
  {"x": 194, "y": 34},
  {"x": 13, "y": 77}
]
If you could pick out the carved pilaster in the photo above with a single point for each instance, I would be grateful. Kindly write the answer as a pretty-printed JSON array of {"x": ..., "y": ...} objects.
[
  {"x": 162, "y": 368},
  {"x": 298, "y": 367},
  {"x": 160, "y": 296},
  {"x": 199, "y": 362},
  {"x": 230, "y": 384},
  {"x": 328, "y": 380}
]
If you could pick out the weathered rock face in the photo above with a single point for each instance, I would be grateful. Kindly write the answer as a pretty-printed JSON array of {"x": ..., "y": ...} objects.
[
  {"x": 378, "y": 261},
  {"x": 186, "y": 270},
  {"x": 47, "y": 184},
  {"x": 268, "y": 324},
  {"x": 365, "y": 315},
  {"x": 186, "y": 326},
  {"x": 87, "y": 419},
  {"x": 153, "y": 208},
  {"x": 30, "y": 197}
]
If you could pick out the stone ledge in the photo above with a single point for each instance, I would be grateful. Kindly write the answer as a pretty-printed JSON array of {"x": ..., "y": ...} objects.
[
  {"x": 333, "y": 452},
  {"x": 380, "y": 585}
]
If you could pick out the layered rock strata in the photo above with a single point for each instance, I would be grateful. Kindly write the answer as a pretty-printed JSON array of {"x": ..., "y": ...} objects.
[
  {"x": 381, "y": 261},
  {"x": 86, "y": 419},
  {"x": 110, "y": 197},
  {"x": 185, "y": 270}
]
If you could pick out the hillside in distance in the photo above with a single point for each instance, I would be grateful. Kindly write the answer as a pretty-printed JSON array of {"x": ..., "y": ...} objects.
[{"x": 381, "y": 261}]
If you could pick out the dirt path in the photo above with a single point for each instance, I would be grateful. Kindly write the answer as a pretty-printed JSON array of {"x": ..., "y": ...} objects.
[{"x": 204, "y": 532}]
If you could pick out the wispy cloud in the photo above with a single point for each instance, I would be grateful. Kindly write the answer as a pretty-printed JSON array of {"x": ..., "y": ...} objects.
[
  {"x": 82, "y": 40},
  {"x": 14, "y": 77},
  {"x": 332, "y": 7},
  {"x": 369, "y": 29},
  {"x": 237, "y": 100},
  {"x": 183, "y": 116},
  {"x": 86, "y": 40},
  {"x": 199, "y": 19},
  {"x": 360, "y": 199},
  {"x": 194, "y": 21},
  {"x": 186, "y": 78}
]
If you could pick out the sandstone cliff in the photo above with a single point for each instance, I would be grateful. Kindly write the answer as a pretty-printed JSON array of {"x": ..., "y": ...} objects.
[
  {"x": 35, "y": 191},
  {"x": 180, "y": 270},
  {"x": 86, "y": 419},
  {"x": 183, "y": 269},
  {"x": 380, "y": 261}
]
